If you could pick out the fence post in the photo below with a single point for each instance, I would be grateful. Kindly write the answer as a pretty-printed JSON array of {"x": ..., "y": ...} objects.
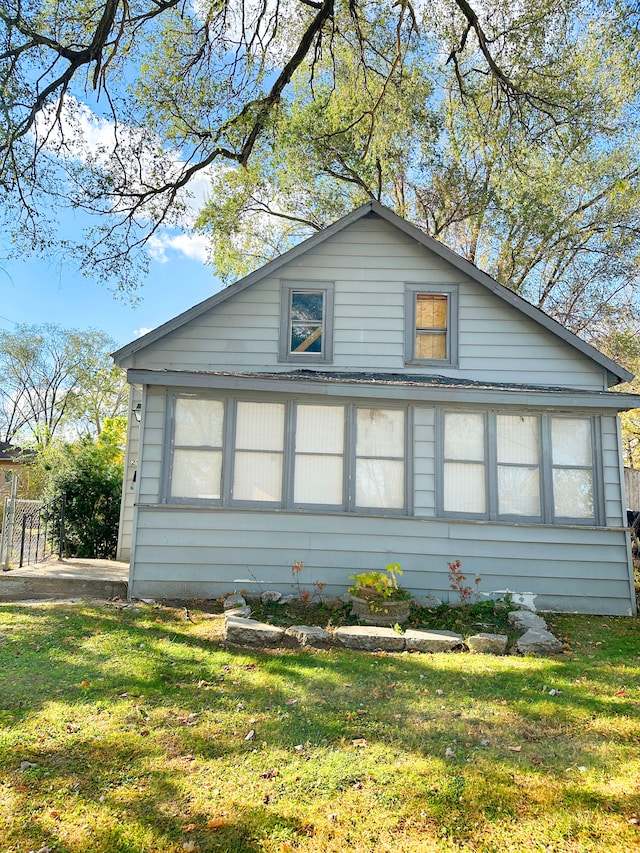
[
  {"x": 8, "y": 520},
  {"x": 61, "y": 542},
  {"x": 22, "y": 538}
]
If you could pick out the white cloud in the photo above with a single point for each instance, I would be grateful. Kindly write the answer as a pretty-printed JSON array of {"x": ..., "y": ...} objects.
[
  {"x": 79, "y": 134},
  {"x": 143, "y": 331},
  {"x": 193, "y": 246}
]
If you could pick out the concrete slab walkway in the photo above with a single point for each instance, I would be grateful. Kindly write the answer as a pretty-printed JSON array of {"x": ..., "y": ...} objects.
[{"x": 76, "y": 578}]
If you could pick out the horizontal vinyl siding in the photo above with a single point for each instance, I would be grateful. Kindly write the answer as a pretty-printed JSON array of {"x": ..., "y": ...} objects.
[
  {"x": 191, "y": 553},
  {"x": 424, "y": 480},
  {"x": 370, "y": 264},
  {"x": 615, "y": 511},
  {"x": 151, "y": 464},
  {"x": 129, "y": 482}
]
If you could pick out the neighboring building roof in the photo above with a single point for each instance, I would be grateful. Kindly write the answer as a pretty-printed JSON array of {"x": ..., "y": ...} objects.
[
  {"x": 11, "y": 453},
  {"x": 373, "y": 208}
]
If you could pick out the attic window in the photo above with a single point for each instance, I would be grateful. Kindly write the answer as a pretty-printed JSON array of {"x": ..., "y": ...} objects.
[
  {"x": 306, "y": 322},
  {"x": 431, "y": 325},
  {"x": 432, "y": 318}
]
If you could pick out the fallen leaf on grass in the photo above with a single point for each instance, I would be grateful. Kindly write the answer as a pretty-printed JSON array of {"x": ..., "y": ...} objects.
[
  {"x": 515, "y": 748},
  {"x": 190, "y": 827},
  {"x": 216, "y": 822},
  {"x": 359, "y": 741},
  {"x": 72, "y": 728},
  {"x": 269, "y": 774},
  {"x": 250, "y": 735},
  {"x": 622, "y": 691}
]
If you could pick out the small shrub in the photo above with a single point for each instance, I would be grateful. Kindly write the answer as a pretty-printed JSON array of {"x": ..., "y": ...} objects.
[{"x": 457, "y": 582}]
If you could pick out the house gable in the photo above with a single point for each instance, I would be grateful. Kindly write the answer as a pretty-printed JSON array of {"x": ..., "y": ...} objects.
[
  {"x": 439, "y": 417},
  {"x": 372, "y": 260}
]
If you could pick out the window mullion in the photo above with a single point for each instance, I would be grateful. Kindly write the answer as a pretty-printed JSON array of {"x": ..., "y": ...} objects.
[
  {"x": 350, "y": 458},
  {"x": 228, "y": 451},
  {"x": 491, "y": 473},
  {"x": 546, "y": 469},
  {"x": 289, "y": 450}
]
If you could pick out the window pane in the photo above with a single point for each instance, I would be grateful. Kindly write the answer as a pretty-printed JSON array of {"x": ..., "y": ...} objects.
[
  {"x": 464, "y": 436},
  {"x": 517, "y": 439},
  {"x": 196, "y": 474},
  {"x": 431, "y": 311},
  {"x": 431, "y": 345},
  {"x": 260, "y": 426},
  {"x": 306, "y": 322},
  {"x": 318, "y": 480},
  {"x": 571, "y": 440},
  {"x": 518, "y": 491},
  {"x": 198, "y": 422},
  {"x": 380, "y": 483},
  {"x": 464, "y": 487},
  {"x": 320, "y": 429},
  {"x": 380, "y": 432},
  {"x": 572, "y": 493},
  {"x": 257, "y": 477}
]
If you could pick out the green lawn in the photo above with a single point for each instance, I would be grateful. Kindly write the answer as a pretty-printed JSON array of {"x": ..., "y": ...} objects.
[{"x": 135, "y": 730}]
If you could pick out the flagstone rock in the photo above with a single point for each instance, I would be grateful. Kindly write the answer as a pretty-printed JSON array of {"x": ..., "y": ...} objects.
[
  {"x": 524, "y": 619},
  {"x": 429, "y": 602},
  {"x": 488, "y": 644},
  {"x": 431, "y": 641},
  {"x": 369, "y": 638},
  {"x": 271, "y": 597},
  {"x": 234, "y": 601},
  {"x": 248, "y": 632},
  {"x": 538, "y": 641},
  {"x": 312, "y": 636}
]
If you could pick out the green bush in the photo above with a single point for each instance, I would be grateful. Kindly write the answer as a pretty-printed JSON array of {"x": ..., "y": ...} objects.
[{"x": 87, "y": 477}]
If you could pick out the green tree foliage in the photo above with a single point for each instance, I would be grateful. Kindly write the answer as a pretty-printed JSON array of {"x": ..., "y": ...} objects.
[
  {"x": 55, "y": 380},
  {"x": 88, "y": 476},
  {"x": 542, "y": 193},
  {"x": 117, "y": 108}
]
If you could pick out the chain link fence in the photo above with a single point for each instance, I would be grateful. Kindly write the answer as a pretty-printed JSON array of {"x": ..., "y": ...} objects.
[{"x": 31, "y": 531}]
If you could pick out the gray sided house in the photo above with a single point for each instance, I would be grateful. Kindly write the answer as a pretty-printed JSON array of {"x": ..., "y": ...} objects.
[{"x": 371, "y": 398}]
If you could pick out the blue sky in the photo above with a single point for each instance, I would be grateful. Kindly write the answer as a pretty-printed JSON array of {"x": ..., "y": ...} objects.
[{"x": 36, "y": 291}]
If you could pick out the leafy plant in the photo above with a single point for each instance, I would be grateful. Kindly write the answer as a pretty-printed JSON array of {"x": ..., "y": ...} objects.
[
  {"x": 457, "y": 582},
  {"x": 381, "y": 585},
  {"x": 303, "y": 594}
]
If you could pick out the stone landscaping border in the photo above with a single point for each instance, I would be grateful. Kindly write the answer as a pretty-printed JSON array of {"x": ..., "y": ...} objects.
[{"x": 241, "y": 630}]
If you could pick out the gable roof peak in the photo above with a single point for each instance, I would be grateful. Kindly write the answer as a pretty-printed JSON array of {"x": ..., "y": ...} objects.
[{"x": 615, "y": 372}]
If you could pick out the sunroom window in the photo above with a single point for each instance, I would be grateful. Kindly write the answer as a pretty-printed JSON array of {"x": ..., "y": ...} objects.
[
  {"x": 197, "y": 449},
  {"x": 464, "y": 463},
  {"x": 518, "y": 455},
  {"x": 287, "y": 454},
  {"x": 380, "y": 448},
  {"x": 572, "y": 456},
  {"x": 259, "y": 452},
  {"x": 518, "y": 467},
  {"x": 319, "y": 455}
]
